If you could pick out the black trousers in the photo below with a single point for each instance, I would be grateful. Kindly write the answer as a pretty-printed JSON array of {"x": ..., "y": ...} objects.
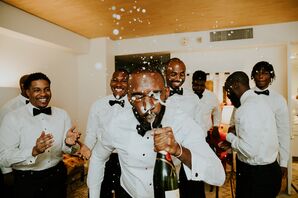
[
  {"x": 47, "y": 183},
  {"x": 6, "y": 190},
  {"x": 257, "y": 181},
  {"x": 190, "y": 188},
  {"x": 111, "y": 180}
]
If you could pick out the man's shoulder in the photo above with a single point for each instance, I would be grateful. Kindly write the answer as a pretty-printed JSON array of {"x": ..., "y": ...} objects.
[
  {"x": 59, "y": 111},
  {"x": 17, "y": 113},
  {"x": 10, "y": 103},
  {"x": 103, "y": 101},
  {"x": 276, "y": 95}
]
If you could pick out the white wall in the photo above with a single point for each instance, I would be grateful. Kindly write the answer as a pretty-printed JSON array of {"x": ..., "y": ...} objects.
[
  {"x": 18, "y": 57},
  {"x": 92, "y": 78},
  {"x": 242, "y": 59},
  {"x": 269, "y": 43},
  {"x": 8, "y": 93}
]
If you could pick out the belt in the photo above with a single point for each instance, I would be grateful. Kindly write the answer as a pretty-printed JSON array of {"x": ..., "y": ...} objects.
[
  {"x": 47, "y": 172},
  {"x": 249, "y": 167}
]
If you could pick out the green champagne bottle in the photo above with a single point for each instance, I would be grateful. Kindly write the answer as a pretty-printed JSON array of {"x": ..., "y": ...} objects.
[{"x": 165, "y": 177}]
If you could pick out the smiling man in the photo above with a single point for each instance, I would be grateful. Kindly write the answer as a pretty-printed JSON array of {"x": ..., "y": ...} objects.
[
  {"x": 263, "y": 74},
  {"x": 131, "y": 135},
  {"x": 186, "y": 101},
  {"x": 101, "y": 113},
  {"x": 32, "y": 140}
]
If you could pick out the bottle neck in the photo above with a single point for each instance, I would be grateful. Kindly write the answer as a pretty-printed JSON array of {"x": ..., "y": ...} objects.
[{"x": 164, "y": 155}]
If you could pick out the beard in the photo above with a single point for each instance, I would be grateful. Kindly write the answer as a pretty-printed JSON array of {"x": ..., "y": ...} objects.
[{"x": 235, "y": 100}]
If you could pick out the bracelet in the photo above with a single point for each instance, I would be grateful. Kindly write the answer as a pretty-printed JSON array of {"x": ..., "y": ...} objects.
[{"x": 180, "y": 150}]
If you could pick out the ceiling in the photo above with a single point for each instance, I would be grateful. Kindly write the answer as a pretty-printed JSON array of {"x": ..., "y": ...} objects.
[{"x": 122, "y": 19}]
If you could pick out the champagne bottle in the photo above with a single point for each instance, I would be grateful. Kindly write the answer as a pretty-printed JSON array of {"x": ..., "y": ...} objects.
[{"x": 165, "y": 177}]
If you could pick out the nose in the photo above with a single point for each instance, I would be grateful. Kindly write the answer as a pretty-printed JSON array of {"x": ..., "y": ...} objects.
[
  {"x": 148, "y": 103},
  {"x": 43, "y": 93}
]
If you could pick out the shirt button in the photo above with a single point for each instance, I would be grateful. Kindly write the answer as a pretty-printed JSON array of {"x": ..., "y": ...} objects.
[
  {"x": 150, "y": 184},
  {"x": 148, "y": 138},
  {"x": 196, "y": 175},
  {"x": 49, "y": 161},
  {"x": 143, "y": 154}
]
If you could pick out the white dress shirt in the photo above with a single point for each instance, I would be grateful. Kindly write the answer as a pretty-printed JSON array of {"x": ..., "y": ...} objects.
[
  {"x": 101, "y": 113},
  {"x": 256, "y": 141},
  {"x": 188, "y": 103},
  {"x": 19, "y": 132},
  {"x": 14, "y": 103},
  {"x": 137, "y": 157},
  {"x": 209, "y": 108},
  {"x": 279, "y": 107}
]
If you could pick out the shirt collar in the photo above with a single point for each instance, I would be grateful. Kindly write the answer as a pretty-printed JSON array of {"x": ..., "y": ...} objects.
[
  {"x": 258, "y": 89},
  {"x": 30, "y": 108}
]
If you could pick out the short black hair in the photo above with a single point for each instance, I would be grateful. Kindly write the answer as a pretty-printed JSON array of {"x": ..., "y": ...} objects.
[
  {"x": 33, "y": 77},
  {"x": 149, "y": 70},
  {"x": 265, "y": 66},
  {"x": 238, "y": 76},
  {"x": 175, "y": 59},
  {"x": 199, "y": 75}
]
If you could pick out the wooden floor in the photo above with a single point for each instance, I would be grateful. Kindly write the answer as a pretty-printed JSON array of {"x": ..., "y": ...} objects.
[{"x": 78, "y": 189}]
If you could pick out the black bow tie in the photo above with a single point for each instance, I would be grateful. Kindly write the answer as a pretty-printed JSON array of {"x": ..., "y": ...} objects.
[
  {"x": 266, "y": 92},
  {"x": 144, "y": 126},
  {"x": 176, "y": 91},
  {"x": 47, "y": 111},
  {"x": 120, "y": 102},
  {"x": 27, "y": 101}
]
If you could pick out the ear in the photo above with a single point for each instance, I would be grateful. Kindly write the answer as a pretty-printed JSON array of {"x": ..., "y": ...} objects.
[
  {"x": 27, "y": 92},
  {"x": 236, "y": 85},
  {"x": 167, "y": 92}
]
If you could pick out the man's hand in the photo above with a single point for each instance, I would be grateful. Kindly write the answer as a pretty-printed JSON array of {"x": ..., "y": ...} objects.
[
  {"x": 84, "y": 151},
  {"x": 284, "y": 171},
  {"x": 164, "y": 140},
  {"x": 72, "y": 136},
  {"x": 44, "y": 142}
]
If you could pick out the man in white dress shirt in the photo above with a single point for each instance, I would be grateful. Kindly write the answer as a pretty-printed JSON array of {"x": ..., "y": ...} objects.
[
  {"x": 208, "y": 103},
  {"x": 263, "y": 74},
  {"x": 131, "y": 135},
  {"x": 184, "y": 100},
  {"x": 255, "y": 140},
  {"x": 101, "y": 113},
  {"x": 6, "y": 180},
  {"x": 32, "y": 139}
]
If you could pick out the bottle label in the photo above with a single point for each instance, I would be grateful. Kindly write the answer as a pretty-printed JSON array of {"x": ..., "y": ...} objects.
[{"x": 172, "y": 194}]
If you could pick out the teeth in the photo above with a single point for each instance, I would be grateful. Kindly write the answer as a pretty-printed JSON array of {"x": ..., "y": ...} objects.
[
  {"x": 42, "y": 100},
  {"x": 118, "y": 89}
]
